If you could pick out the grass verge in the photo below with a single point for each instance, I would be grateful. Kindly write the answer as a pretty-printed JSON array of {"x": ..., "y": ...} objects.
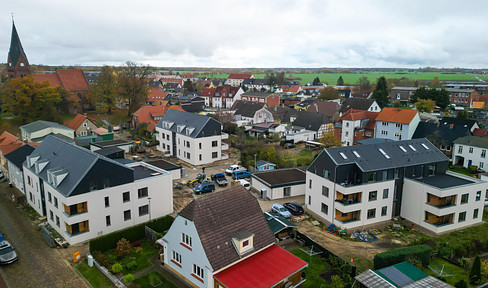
[
  {"x": 152, "y": 279},
  {"x": 93, "y": 275},
  {"x": 316, "y": 266}
]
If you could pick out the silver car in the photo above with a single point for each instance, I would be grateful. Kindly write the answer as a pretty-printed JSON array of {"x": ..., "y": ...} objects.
[{"x": 7, "y": 253}]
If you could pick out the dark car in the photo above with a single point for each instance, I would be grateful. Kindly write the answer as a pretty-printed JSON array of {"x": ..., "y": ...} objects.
[
  {"x": 204, "y": 188},
  {"x": 294, "y": 208}
]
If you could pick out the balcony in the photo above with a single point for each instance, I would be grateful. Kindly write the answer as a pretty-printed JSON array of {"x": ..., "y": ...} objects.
[
  {"x": 77, "y": 228},
  {"x": 440, "y": 205},
  {"x": 439, "y": 221},
  {"x": 348, "y": 203},
  {"x": 224, "y": 146},
  {"x": 75, "y": 209},
  {"x": 224, "y": 156},
  {"x": 344, "y": 219},
  {"x": 225, "y": 136}
]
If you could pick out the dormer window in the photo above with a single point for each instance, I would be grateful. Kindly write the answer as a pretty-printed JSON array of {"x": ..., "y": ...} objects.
[{"x": 243, "y": 241}]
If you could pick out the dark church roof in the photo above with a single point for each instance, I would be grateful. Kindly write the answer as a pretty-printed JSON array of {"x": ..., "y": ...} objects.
[{"x": 16, "y": 49}]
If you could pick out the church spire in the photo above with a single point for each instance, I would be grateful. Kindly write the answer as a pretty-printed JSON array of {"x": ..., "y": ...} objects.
[{"x": 18, "y": 65}]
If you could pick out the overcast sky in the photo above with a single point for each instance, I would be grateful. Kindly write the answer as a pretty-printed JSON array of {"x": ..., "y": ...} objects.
[{"x": 262, "y": 33}]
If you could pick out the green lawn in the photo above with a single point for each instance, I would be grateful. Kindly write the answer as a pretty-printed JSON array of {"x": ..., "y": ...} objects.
[
  {"x": 460, "y": 170},
  {"x": 93, "y": 275},
  {"x": 142, "y": 259},
  {"x": 451, "y": 269},
  {"x": 145, "y": 281},
  {"x": 316, "y": 266}
]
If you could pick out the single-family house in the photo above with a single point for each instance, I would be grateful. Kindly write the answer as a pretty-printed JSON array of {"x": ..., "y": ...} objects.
[
  {"x": 246, "y": 112},
  {"x": 270, "y": 99},
  {"x": 402, "y": 94},
  {"x": 195, "y": 139},
  {"x": 156, "y": 96},
  {"x": 354, "y": 126},
  {"x": 82, "y": 125},
  {"x": 263, "y": 165},
  {"x": 328, "y": 108},
  {"x": 260, "y": 85},
  {"x": 223, "y": 240},
  {"x": 150, "y": 115},
  {"x": 467, "y": 123},
  {"x": 441, "y": 134},
  {"x": 359, "y": 104},
  {"x": 279, "y": 183},
  {"x": 266, "y": 130},
  {"x": 236, "y": 79},
  {"x": 307, "y": 122},
  {"x": 85, "y": 195},
  {"x": 40, "y": 129},
  {"x": 396, "y": 123},
  {"x": 195, "y": 105}
]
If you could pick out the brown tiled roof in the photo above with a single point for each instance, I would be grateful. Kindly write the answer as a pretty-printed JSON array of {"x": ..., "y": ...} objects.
[
  {"x": 217, "y": 217},
  {"x": 397, "y": 115},
  {"x": 281, "y": 176},
  {"x": 325, "y": 107}
]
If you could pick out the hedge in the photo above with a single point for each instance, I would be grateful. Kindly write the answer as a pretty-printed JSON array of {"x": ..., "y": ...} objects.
[
  {"x": 134, "y": 233},
  {"x": 392, "y": 257}
]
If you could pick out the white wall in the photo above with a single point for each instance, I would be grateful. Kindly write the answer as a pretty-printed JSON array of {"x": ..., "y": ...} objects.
[
  {"x": 66, "y": 132},
  {"x": 16, "y": 176},
  {"x": 475, "y": 156}
]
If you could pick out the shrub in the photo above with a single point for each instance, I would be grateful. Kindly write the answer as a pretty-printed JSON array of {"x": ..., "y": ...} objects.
[
  {"x": 475, "y": 273},
  {"x": 473, "y": 169},
  {"x": 128, "y": 278},
  {"x": 101, "y": 258},
  {"x": 139, "y": 250},
  {"x": 464, "y": 262},
  {"x": 136, "y": 244},
  {"x": 154, "y": 279},
  {"x": 123, "y": 247},
  {"x": 117, "y": 268},
  {"x": 461, "y": 284},
  {"x": 131, "y": 265},
  {"x": 336, "y": 282},
  {"x": 391, "y": 257}
]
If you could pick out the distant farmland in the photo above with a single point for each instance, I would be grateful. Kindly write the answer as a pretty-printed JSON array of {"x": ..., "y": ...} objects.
[{"x": 352, "y": 78}]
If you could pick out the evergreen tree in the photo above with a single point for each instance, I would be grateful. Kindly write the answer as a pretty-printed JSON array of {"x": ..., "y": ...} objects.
[
  {"x": 340, "y": 81},
  {"x": 316, "y": 81},
  {"x": 475, "y": 273},
  {"x": 380, "y": 93}
]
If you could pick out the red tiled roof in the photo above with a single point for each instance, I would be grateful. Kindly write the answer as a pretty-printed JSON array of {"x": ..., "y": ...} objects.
[
  {"x": 209, "y": 92},
  {"x": 11, "y": 147},
  {"x": 480, "y": 132},
  {"x": 53, "y": 79},
  {"x": 7, "y": 138},
  {"x": 150, "y": 127},
  {"x": 9, "y": 143},
  {"x": 239, "y": 76},
  {"x": 172, "y": 80},
  {"x": 144, "y": 113},
  {"x": 353, "y": 115},
  {"x": 78, "y": 120},
  {"x": 176, "y": 107},
  {"x": 156, "y": 93},
  {"x": 290, "y": 89},
  {"x": 397, "y": 115},
  {"x": 73, "y": 79},
  {"x": 264, "y": 269}
]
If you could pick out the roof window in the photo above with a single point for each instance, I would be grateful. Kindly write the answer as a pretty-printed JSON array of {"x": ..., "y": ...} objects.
[
  {"x": 343, "y": 155},
  {"x": 384, "y": 153},
  {"x": 411, "y": 147},
  {"x": 356, "y": 154},
  {"x": 425, "y": 146},
  {"x": 403, "y": 149}
]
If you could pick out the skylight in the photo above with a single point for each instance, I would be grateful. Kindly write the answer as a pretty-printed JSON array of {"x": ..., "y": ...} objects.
[
  {"x": 356, "y": 154},
  {"x": 343, "y": 155},
  {"x": 411, "y": 147},
  {"x": 425, "y": 146},
  {"x": 403, "y": 149},
  {"x": 384, "y": 153}
]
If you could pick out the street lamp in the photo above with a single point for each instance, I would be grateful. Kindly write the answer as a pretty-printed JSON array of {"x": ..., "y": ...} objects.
[
  {"x": 149, "y": 207},
  {"x": 255, "y": 164}
]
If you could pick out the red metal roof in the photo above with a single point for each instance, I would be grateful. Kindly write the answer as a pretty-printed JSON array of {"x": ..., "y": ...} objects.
[{"x": 263, "y": 269}]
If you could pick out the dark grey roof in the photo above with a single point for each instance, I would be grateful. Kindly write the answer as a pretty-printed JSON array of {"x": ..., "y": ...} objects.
[
  {"x": 203, "y": 126},
  {"x": 257, "y": 94},
  {"x": 311, "y": 120},
  {"x": 247, "y": 109},
  {"x": 440, "y": 133},
  {"x": 372, "y": 159},
  {"x": 17, "y": 157},
  {"x": 16, "y": 48},
  {"x": 107, "y": 151},
  {"x": 444, "y": 181},
  {"x": 474, "y": 141},
  {"x": 195, "y": 105},
  {"x": 279, "y": 112},
  {"x": 251, "y": 81},
  {"x": 356, "y": 103},
  {"x": 41, "y": 124},
  {"x": 78, "y": 162},
  {"x": 458, "y": 122},
  {"x": 281, "y": 177},
  {"x": 111, "y": 143},
  {"x": 219, "y": 216},
  {"x": 374, "y": 141},
  {"x": 164, "y": 164}
]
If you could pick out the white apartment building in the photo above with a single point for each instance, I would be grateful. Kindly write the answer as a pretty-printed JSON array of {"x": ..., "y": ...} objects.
[
  {"x": 396, "y": 124},
  {"x": 367, "y": 184},
  {"x": 193, "y": 138},
  {"x": 85, "y": 195},
  {"x": 470, "y": 151}
]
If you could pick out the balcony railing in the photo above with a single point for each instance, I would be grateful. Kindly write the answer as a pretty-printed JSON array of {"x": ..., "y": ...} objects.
[
  {"x": 441, "y": 205},
  {"x": 224, "y": 156},
  {"x": 440, "y": 223},
  {"x": 225, "y": 136},
  {"x": 224, "y": 146},
  {"x": 349, "y": 201}
]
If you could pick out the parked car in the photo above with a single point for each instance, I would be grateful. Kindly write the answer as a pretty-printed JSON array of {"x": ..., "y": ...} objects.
[
  {"x": 7, "y": 253},
  {"x": 241, "y": 174},
  {"x": 294, "y": 208},
  {"x": 204, "y": 188},
  {"x": 219, "y": 179},
  {"x": 289, "y": 145},
  {"x": 278, "y": 208},
  {"x": 245, "y": 184},
  {"x": 233, "y": 168}
]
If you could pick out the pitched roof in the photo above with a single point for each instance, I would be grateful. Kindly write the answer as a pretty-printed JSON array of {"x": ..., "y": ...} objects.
[
  {"x": 218, "y": 216},
  {"x": 279, "y": 112},
  {"x": 281, "y": 177},
  {"x": 440, "y": 133},
  {"x": 17, "y": 157},
  {"x": 458, "y": 121},
  {"x": 480, "y": 132},
  {"x": 473, "y": 141},
  {"x": 325, "y": 107},
  {"x": 53, "y": 79},
  {"x": 290, "y": 89},
  {"x": 258, "y": 94},
  {"x": 262, "y": 162},
  {"x": 239, "y": 75},
  {"x": 16, "y": 49},
  {"x": 78, "y": 120},
  {"x": 357, "y": 104},
  {"x": 146, "y": 114},
  {"x": 246, "y": 109},
  {"x": 368, "y": 117},
  {"x": 7, "y": 138},
  {"x": 277, "y": 223},
  {"x": 199, "y": 125},
  {"x": 41, "y": 124},
  {"x": 73, "y": 79},
  {"x": 397, "y": 115},
  {"x": 311, "y": 120},
  {"x": 156, "y": 93},
  {"x": 197, "y": 104}
]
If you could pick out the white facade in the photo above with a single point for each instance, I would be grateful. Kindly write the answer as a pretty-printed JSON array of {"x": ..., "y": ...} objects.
[
  {"x": 106, "y": 209},
  {"x": 460, "y": 214},
  {"x": 26, "y": 136},
  {"x": 301, "y": 136},
  {"x": 187, "y": 255},
  {"x": 348, "y": 130},
  {"x": 16, "y": 176},
  {"x": 278, "y": 192},
  {"x": 262, "y": 116},
  {"x": 324, "y": 203},
  {"x": 396, "y": 131},
  {"x": 467, "y": 155}
]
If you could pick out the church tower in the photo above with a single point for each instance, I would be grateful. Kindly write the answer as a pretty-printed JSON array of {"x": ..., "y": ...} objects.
[{"x": 17, "y": 63}]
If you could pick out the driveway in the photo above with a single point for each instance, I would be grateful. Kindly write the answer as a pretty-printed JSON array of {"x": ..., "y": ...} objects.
[{"x": 38, "y": 265}]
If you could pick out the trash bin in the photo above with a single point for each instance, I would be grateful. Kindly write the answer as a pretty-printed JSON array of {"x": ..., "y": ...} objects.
[{"x": 90, "y": 260}]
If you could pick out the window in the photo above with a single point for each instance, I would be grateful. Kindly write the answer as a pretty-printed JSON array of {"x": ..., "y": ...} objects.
[
  {"x": 310, "y": 183},
  {"x": 143, "y": 210},
  {"x": 398, "y": 125},
  {"x": 464, "y": 198},
  {"x": 372, "y": 177},
  {"x": 107, "y": 202},
  {"x": 200, "y": 157},
  {"x": 49, "y": 197},
  {"x": 460, "y": 149},
  {"x": 309, "y": 200},
  {"x": 107, "y": 220},
  {"x": 176, "y": 258},
  {"x": 325, "y": 191},
  {"x": 51, "y": 215},
  {"x": 29, "y": 180},
  {"x": 82, "y": 133},
  {"x": 185, "y": 239},
  {"x": 31, "y": 197},
  {"x": 215, "y": 155},
  {"x": 384, "y": 123},
  {"x": 483, "y": 153},
  {"x": 127, "y": 215},
  {"x": 126, "y": 196},
  {"x": 482, "y": 164},
  {"x": 385, "y": 193},
  {"x": 286, "y": 191},
  {"x": 197, "y": 271},
  {"x": 199, "y": 145},
  {"x": 478, "y": 195},
  {"x": 383, "y": 210},
  {"x": 371, "y": 213},
  {"x": 324, "y": 209},
  {"x": 470, "y": 150},
  {"x": 347, "y": 123},
  {"x": 373, "y": 195},
  {"x": 214, "y": 143},
  {"x": 431, "y": 170},
  {"x": 475, "y": 213},
  {"x": 142, "y": 192},
  {"x": 57, "y": 222},
  {"x": 55, "y": 202},
  {"x": 347, "y": 133},
  {"x": 462, "y": 217},
  {"x": 383, "y": 132}
]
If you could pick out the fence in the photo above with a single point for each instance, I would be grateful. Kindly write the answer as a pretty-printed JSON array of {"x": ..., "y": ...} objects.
[
  {"x": 150, "y": 234},
  {"x": 48, "y": 237},
  {"x": 326, "y": 254},
  {"x": 109, "y": 275}
]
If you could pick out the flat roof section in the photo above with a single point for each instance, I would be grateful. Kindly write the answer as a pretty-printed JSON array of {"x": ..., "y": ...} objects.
[
  {"x": 281, "y": 177},
  {"x": 164, "y": 164},
  {"x": 141, "y": 172},
  {"x": 444, "y": 181},
  {"x": 108, "y": 143}
]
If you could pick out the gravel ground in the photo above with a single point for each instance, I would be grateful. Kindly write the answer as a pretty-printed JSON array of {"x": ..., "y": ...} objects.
[{"x": 38, "y": 265}]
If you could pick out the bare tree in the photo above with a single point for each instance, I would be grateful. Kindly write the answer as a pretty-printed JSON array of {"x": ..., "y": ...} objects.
[{"x": 133, "y": 84}]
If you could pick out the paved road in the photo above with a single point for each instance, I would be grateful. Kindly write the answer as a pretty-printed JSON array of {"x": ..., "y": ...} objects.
[{"x": 38, "y": 265}]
